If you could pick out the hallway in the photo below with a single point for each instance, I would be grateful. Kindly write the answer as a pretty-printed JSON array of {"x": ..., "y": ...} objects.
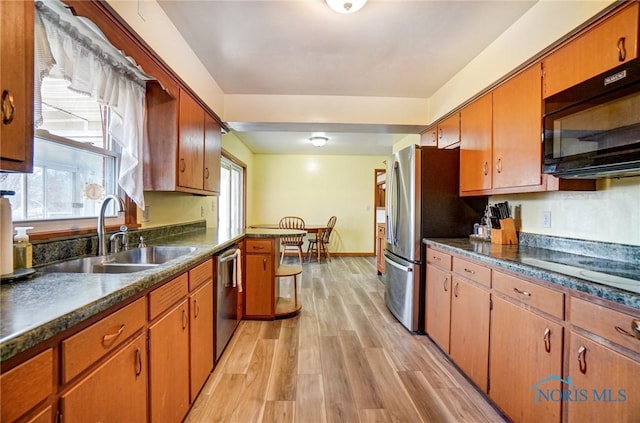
[{"x": 344, "y": 358}]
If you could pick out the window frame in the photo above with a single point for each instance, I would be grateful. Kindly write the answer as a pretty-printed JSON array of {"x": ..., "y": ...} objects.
[{"x": 237, "y": 162}]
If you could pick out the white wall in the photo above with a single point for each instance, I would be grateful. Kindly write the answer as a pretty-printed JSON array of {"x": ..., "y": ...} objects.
[{"x": 317, "y": 187}]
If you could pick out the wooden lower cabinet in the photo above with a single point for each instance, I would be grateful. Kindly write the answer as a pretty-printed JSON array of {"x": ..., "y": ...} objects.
[
  {"x": 169, "y": 365},
  {"x": 469, "y": 339},
  {"x": 438, "y": 306},
  {"x": 26, "y": 385},
  {"x": 201, "y": 337},
  {"x": 605, "y": 383},
  {"x": 116, "y": 391},
  {"x": 259, "y": 300},
  {"x": 526, "y": 348}
]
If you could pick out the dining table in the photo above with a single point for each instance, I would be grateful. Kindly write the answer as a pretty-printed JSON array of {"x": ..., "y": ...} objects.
[{"x": 312, "y": 229}]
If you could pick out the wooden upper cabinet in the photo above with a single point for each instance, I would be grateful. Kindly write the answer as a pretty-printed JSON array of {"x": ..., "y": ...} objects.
[
  {"x": 517, "y": 111},
  {"x": 212, "y": 154},
  {"x": 16, "y": 85},
  {"x": 448, "y": 132},
  {"x": 181, "y": 132},
  {"x": 191, "y": 144},
  {"x": 445, "y": 134},
  {"x": 607, "y": 45},
  {"x": 475, "y": 145}
]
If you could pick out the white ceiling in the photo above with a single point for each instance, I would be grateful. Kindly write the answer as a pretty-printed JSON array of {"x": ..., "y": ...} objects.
[{"x": 390, "y": 48}]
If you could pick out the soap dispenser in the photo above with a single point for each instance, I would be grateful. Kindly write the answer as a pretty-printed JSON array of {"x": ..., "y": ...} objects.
[
  {"x": 22, "y": 248},
  {"x": 6, "y": 234}
]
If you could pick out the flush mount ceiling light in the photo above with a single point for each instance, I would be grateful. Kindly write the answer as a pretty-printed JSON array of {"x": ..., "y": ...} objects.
[
  {"x": 318, "y": 139},
  {"x": 346, "y": 6}
]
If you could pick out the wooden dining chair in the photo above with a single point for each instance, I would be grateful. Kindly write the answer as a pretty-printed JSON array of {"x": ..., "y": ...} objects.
[
  {"x": 294, "y": 241},
  {"x": 320, "y": 244}
]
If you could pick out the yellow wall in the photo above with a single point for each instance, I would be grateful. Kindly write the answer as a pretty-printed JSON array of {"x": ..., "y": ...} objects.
[{"x": 317, "y": 187}]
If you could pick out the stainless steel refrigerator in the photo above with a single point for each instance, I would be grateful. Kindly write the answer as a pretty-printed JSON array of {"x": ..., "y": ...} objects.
[{"x": 422, "y": 201}]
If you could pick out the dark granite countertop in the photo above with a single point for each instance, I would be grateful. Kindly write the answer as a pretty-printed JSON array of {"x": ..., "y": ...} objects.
[
  {"x": 36, "y": 309},
  {"x": 620, "y": 279}
]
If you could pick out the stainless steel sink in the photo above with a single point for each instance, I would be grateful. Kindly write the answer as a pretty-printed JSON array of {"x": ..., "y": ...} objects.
[{"x": 129, "y": 261}]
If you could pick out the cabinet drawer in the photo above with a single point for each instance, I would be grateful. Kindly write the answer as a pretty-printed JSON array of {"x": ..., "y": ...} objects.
[
  {"x": 472, "y": 271},
  {"x": 26, "y": 385},
  {"x": 259, "y": 246},
  {"x": 610, "y": 324},
  {"x": 438, "y": 258},
  {"x": 545, "y": 299},
  {"x": 86, "y": 347},
  {"x": 200, "y": 274},
  {"x": 167, "y": 295}
]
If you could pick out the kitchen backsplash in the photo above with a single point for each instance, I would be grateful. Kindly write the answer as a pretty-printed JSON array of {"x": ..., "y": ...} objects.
[
  {"x": 604, "y": 250},
  {"x": 58, "y": 249}
]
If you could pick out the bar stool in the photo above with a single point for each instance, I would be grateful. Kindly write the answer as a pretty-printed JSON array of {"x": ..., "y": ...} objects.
[{"x": 285, "y": 307}]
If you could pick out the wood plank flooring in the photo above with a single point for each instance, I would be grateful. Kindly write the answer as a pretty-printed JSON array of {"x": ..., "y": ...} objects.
[{"x": 344, "y": 358}]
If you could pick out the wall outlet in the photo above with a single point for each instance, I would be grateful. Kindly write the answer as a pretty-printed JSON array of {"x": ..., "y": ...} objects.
[
  {"x": 546, "y": 219},
  {"x": 201, "y": 211}
]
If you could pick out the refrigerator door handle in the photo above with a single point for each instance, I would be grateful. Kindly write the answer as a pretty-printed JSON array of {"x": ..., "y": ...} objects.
[
  {"x": 393, "y": 220},
  {"x": 398, "y": 266}
]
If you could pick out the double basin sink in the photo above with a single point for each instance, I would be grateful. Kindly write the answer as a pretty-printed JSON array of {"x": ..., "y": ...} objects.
[{"x": 130, "y": 261}]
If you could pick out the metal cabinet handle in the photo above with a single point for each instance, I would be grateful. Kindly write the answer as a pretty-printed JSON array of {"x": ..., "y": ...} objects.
[
  {"x": 582, "y": 359},
  {"x": 183, "y": 165},
  {"x": 436, "y": 258},
  {"x": 525, "y": 293},
  {"x": 440, "y": 133},
  {"x": 206, "y": 173},
  {"x": 264, "y": 264},
  {"x": 108, "y": 339},
  {"x": 435, "y": 137},
  {"x": 196, "y": 308},
  {"x": 485, "y": 168},
  {"x": 455, "y": 290},
  {"x": 473, "y": 272},
  {"x": 622, "y": 51},
  {"x": 499, "y": 166},
  {"x": 635, "y": 329},
  {"x": 8, "y": 107},
  {"x": 138, "y": 362},
  {"x": 257, "y": 247},
  {"x": 185, "y": 319},
  {"x": 547, "y": 340},
  {"x": 446, "y": 284}
]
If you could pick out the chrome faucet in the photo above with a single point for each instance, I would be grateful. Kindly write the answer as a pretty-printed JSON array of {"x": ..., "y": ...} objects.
[{"x": 102, "y": 240}]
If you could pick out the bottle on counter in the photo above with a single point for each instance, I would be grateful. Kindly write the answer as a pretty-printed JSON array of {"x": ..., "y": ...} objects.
[
  {"x": 6, "y": 234},
  {"x": 22, "y": 249}
]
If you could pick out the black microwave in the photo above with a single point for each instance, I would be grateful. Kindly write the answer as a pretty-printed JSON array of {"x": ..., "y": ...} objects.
[{"x": 592, "y": 130}]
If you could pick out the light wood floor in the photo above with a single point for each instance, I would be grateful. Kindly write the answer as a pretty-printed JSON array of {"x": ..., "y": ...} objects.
[{"x": 343, "y": 359}]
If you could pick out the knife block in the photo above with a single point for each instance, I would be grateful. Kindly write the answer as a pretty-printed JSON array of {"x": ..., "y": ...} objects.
[{"x": 506, "y": 234}]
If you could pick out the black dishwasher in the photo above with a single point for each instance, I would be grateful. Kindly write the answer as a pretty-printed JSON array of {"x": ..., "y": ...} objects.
[{"x": 229, "y": 282}]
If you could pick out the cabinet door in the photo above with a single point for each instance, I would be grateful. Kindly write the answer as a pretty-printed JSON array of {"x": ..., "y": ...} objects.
[
  {"x": 609, "y": 44},
  {"x": 201, "y": 339},
  {"x": 608, "y": 383},
  {"x": 475, "y": 145},
  {"x": 115, "y": 392},
  {"x": 517, "y": 127},
  {"x": 438, "y": 306},
  {"x": 469, "y": 342},
  {"x": 212, "y": 148},
  {"x": 16, "y": 85},
  {"x": 259, "y": 295},
  {"x": 191, "y": 148},
  {"x": 449, "y": 131},
  {"x": 169, "y": 366},
  {"x": 525, "y": 349}
]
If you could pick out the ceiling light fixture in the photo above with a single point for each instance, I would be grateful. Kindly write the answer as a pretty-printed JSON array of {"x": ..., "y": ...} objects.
[
  {"x": 346, "y": 6},
  {"x": 318, "y": 139}
]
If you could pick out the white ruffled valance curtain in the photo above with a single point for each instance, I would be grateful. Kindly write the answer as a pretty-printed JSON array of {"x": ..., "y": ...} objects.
[{"x": 73, "y": 48}]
